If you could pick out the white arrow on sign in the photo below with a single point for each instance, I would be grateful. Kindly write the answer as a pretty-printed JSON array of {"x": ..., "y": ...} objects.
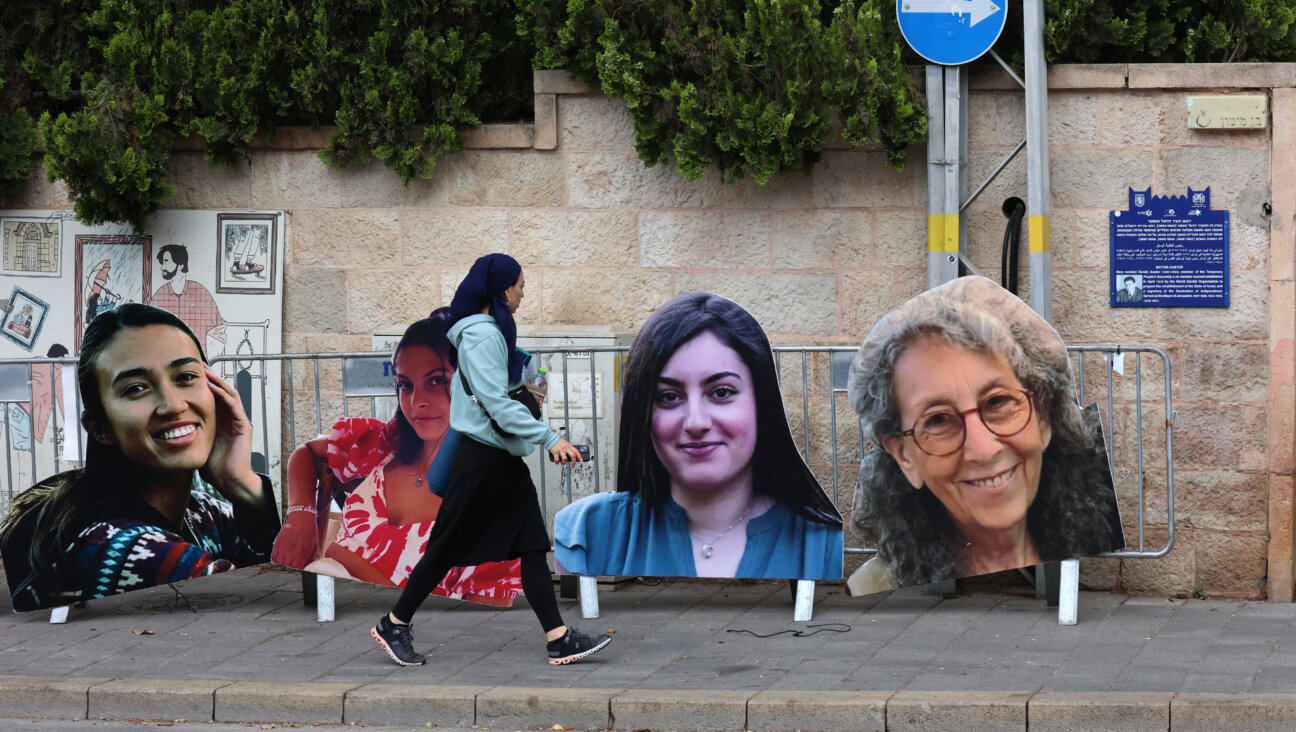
[{"x": 978, "y": 9}]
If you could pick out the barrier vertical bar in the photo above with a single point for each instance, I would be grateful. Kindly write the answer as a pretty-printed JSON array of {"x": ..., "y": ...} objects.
[
  {"x": 81, "y": 447},
  {"x": 55, "y": 416},
  {"x": 1080, "y": 384},
  {"x": 594, "y": 417},
  {"x": 8, "y": 456},
  {"x": 31, "y": 406},
  {"x": 803, "y": 607},
  {"x": 567, "y": 398},
  {"x": 1138, "y": 432},
  {"x": 292, "y": 409},
  {"x": 319, "y": 417},
  {"x": 1111, "y": 413},
  {"x": 805, "y": 404},
  {"x": 265, "y": 418},
  {"x": 832, "y": 419}
]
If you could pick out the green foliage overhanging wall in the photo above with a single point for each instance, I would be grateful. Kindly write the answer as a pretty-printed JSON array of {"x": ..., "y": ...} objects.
[
  {"x": 1170, "y": 31},
  {"x": 743, "y": 87},
  {"x": 749, "y": 88},
  {"x": 115, "y": 83}
]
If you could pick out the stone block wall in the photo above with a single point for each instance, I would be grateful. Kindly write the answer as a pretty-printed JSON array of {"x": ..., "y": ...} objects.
[{"x": 819, "y": 258}]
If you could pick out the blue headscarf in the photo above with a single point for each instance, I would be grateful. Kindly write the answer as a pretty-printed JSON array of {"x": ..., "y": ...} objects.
[{"x": 485, "y": 284}]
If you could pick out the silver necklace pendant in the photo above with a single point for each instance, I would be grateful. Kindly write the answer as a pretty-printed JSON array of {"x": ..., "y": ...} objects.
[
  {"x": 707, "y": 549},
  {"x": 418, "y": 482}
]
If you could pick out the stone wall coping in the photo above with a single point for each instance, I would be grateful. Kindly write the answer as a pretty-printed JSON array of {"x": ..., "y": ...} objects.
[
  {"x": 557, "y": 81},
  {"x": 1269, "y": 75}
]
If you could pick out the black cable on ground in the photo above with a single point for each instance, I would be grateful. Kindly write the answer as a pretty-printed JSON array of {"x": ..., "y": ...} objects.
[{"x": 820, "y": 628}]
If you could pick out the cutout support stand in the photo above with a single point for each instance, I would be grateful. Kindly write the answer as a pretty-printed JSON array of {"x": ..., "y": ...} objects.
[
  {"x": 1069, "y": 592},
  {"x": 588, "y": 587},
  {"x": 323, "y": 598},
  {"x": 803, "y": 611}
]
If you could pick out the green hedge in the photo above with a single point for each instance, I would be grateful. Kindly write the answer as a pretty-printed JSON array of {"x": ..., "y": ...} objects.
[
  {"x": 747, "y": 88},
  {"x": 122, "y": 80},
  {"x": 1170, "y": 31}
]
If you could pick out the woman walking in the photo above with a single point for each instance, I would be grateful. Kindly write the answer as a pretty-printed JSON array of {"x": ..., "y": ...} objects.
[{"x": 490, "y": 512}]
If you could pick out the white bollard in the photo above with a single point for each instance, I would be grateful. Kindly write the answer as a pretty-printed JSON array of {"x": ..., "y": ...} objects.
[
  {"x": 323, "y": 598},
  {"x": 1068, "y": 592},
  {"x": 804, "y": 610},
  {"x": 59, "y": 615},
  {"x": 588, "y": 589}
]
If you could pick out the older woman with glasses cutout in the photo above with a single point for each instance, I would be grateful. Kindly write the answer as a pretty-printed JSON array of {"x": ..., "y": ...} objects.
[{"x": 983, "y": 459}]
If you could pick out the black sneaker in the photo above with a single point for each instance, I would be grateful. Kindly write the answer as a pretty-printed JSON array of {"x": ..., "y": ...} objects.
[
  {"x": 398, "y": 641},
  {"x": 574, "y": 646}
]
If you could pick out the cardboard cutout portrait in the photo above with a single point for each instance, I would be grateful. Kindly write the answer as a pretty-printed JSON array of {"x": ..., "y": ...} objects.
[
  {"x": 709, "y": 480},
  {"x": 983, "y": 459},
  {"x": 166, "y": 493},
  {"x": 381, "y": 476}
]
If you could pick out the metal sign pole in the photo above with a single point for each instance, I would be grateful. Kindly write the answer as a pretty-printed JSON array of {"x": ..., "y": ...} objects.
[
  {"x": 937, "y": 214},
  {"x": 1037, "y": 161},
  {"x": 949, "y": 35},
  {"x": 1041, "y": 244}
]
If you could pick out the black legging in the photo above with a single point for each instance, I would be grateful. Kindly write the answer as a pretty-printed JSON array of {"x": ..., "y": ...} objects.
[{"x": 537, "y": 583}]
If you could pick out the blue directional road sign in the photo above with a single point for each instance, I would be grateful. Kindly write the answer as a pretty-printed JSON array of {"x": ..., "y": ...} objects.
[{"x": 951, "y": 32}]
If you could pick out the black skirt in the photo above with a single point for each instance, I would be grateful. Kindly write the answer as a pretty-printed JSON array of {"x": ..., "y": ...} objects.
[{"x": 490, "y": 512}]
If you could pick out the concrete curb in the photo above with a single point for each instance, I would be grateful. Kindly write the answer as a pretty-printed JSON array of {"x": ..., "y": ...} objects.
[
  {"x": 154, "y": 699},
  {"x": 32, "y": 697}
]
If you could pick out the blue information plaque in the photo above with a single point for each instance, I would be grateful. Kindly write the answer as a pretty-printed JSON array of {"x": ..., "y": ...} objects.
[{"x": 1169, "y": 251}]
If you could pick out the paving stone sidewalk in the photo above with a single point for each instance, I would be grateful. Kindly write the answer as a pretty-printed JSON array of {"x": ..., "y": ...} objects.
[{"x": 251, "y": 648}]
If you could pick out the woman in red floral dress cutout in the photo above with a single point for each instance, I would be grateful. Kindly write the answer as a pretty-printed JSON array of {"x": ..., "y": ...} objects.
[{"x": 380, "y": 468}]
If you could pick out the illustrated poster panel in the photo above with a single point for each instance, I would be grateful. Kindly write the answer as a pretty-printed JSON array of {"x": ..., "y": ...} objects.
[
  {"x": 983, "y": 459},
  {"x": 30, "y": 247},
  {"x": 245, "y": 253},
  {"x": 110, "y": 271},
  {"x": 26, "y": 316},
  {"x": 709, "y": 481}
]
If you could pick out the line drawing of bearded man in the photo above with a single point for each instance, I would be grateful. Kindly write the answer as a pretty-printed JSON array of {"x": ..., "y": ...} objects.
[{"x": 188, "y": 299}]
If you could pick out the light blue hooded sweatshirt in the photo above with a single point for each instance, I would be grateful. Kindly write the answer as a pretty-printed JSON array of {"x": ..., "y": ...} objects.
[{"x": 483, "y": 359}]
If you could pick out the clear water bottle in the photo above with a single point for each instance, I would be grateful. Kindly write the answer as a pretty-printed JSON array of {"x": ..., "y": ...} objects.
[{"x": 539, "y": 385}]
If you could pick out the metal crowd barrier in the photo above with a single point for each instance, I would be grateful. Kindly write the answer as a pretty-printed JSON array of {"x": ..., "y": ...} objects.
[{"x": 317, "y": 388}]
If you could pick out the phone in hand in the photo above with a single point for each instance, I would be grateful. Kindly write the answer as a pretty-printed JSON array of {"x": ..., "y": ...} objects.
[{"x": 584, "y": 451}]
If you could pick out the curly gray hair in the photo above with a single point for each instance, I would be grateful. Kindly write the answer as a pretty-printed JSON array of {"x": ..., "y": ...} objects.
[{"x": 1073, "y": 514}]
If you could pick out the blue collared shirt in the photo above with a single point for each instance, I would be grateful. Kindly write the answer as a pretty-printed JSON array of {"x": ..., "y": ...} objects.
[{"x": 620, "y": 534}]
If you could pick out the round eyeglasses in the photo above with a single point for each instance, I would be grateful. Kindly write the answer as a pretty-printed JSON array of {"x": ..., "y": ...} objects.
[{"x": 943, "y": 431}]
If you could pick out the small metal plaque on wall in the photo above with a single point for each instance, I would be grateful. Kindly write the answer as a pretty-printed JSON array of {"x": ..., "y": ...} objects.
[{"x": 1169, "y": 251}]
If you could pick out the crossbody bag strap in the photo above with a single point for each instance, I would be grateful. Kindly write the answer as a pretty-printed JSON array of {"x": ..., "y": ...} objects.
[
  {"x": 519, "y": 395},
  {"x": 463, "y": 379}
]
